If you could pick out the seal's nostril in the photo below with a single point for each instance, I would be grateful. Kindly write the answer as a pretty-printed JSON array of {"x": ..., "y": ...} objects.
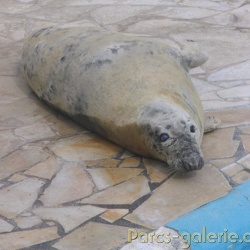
[
  {"x": 192, "y": 164},
  {"x": 186, "y": 166}
]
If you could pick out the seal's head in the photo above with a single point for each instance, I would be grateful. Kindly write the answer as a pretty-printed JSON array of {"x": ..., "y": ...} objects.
[{"x": 172, "y": 136}]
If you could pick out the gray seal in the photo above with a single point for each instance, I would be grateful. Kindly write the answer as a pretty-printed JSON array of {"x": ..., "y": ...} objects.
[{"x": 132, "y": 90}]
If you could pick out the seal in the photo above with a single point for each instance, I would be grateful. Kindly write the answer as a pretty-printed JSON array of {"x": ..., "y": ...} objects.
[{"x": 132, "y": 90}]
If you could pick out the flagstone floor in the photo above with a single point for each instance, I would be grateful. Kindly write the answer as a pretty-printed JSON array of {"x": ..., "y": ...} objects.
[{"x": 63, "y": 187}]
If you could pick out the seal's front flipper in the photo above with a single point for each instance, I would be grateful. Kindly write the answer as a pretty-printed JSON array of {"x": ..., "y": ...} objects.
[
  {"x": 190, "y": 55},
  {"x": 211, "y": 123}
]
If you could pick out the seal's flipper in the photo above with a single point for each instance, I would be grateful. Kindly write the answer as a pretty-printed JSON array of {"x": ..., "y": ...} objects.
[
  {"x": 211, "y": 123},
  {"x": 190, "y": 55}
]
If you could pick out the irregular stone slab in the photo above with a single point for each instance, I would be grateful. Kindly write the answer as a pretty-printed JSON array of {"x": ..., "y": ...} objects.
[
  {"x": 219, "y": 144},
  {"x": 226, "y": 19},
  {"x": 25, "y": 1},
  {"x": 217, "y": 105},
  {"x": 8, "y": 67},
  {"x": 30, "y": 132},
  {"x": 17, "y": 178},
  {"x": 94, "y": 236},
  {"x": 14, "y": 7},
  {"x": 24, "y": 111},
  {"x": 107, "y": 177},
  {"x": 245, "y": 161},
  {"x": 127, "y": 154},
  {"x": 62, "y": 125},
  {"x": 182, "y": 12},
  {"x": 5, "y": 42},
  {"x": 236, "y": 72},
  {"x": 241, "y": 177},
  {"x": 162, "y": 27},
  {"x": 113, "y": 14},
  {"x": 9, "y": 142},
  {"x": 44, "y": 3},
  {"x": 46, "y": 169},
  {"x": 77, "y": 23},
  {"x": 19, "y": 197},
  {"x": 207, "y": 4},
  {"x": 232, "y": 169},
  {"x": 242, "y": 17},
  {"x": 203, "y": 86},
  {"x": 50, "y": 223},
  {"x": 209, "y": 97},
  {"x": 84, "y": 147},
  {"x": 151, "y": 241},
  {"x": 236, "y": 92},
  {"x": 23, "y": 239},
  {"x": 25, "y": 222},
  {"x": 75, "y": 2},
  {"x": 179, "y": 195},
  {"x": 229, "y": 84},
  {"x": 69, "y": 217},
  {"x": 21, "y": 159},
  {"x": 71, "y": 183},
  {"x": 157, "y": 171},
  {"x": 110, "y": 163},
  {"x": 144, "y": 2},
  {"x": 124, "y": 193},
  {"x": 223, "y": 162},
  {"x": 13, "y": 28},
  {"x": 246, "y": 142},
  {"x": 197, "y": 71},
  {"x": 245, "y": 130},
  {"x": 113, "y": 215},
  {"x": 12, "y": 88},
  {"x": 130, "y": 162},
  {"x": 9, "y": 123},
  {"x": 5, "y": 227},
  {"x": 60, "y": 14}
]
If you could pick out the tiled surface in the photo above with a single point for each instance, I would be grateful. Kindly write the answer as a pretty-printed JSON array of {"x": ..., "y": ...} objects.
[{"x": 62, "y": 187}]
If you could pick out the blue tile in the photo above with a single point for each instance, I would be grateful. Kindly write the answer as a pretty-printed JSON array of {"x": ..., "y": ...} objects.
[{"x": 230, "y": 214}]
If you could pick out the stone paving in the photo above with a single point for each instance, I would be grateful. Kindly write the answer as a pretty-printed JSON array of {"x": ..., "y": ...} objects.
[{"x": 63, "y": 187}]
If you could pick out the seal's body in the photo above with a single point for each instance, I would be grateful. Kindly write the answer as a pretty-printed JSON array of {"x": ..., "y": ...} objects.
[{"x": 132, "y": 90}]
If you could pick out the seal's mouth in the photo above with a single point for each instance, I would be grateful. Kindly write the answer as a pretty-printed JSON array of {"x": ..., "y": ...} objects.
[{"x": 187, "y": 161}]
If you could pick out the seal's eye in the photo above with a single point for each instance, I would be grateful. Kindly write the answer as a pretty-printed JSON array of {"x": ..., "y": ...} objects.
[
  {"x": 164, "y": 137},
  {"x": 192, "y": 129}
]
